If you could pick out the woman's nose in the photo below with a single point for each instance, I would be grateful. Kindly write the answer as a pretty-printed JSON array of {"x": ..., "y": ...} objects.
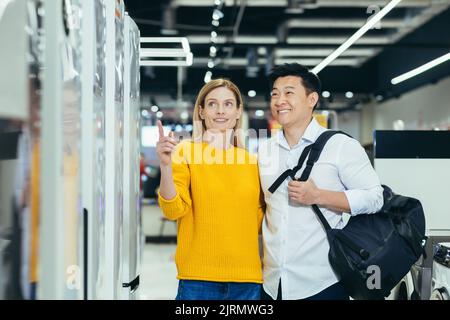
[{"x": 220, "y": 109}]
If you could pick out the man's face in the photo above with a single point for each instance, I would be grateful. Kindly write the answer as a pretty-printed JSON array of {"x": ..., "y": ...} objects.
[{"x": 290, "y": 103}]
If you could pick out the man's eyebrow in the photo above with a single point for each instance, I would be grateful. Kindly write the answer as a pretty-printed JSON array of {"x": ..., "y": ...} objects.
[{"x": 288, "y": 87}]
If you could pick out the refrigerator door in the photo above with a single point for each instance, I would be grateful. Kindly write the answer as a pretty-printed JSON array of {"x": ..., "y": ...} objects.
[
  {"x": 132, "y": 235},
  {"x": 61, "y": 234},
  {"x": 93, "y": 143},
  {"x": 114, "y": 129}
]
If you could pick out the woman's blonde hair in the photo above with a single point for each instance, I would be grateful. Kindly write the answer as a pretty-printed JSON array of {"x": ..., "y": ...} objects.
[{"x": 199, "y": 126}]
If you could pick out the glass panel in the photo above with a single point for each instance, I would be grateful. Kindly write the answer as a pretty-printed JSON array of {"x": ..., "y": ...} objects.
[
  {"x": 71, "y": 116},
  {"x": 98, "y": 239},
  {"x": 119, "y": 108}
]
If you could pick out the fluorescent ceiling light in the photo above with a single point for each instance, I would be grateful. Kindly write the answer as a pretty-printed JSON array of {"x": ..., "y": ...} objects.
[
  {"x": 163, "y": 63},
  {"x": 242, "y": 62},
  {"x": 314, "y": 40},
  {"x": 185, "y": 45},
  {"x": 162, "y": 39},
  {"x": 421, "y": 69},
  {"x": 189, "y": 59},
  {"x": 338, "y": 23},
  {"x": 358, "y": 34},
  {"x": 314, "y": 62},
  {"x": 161, "y": 52},
  {"x": 255, "y": 39},
  {"x": 314, "y": 52}
]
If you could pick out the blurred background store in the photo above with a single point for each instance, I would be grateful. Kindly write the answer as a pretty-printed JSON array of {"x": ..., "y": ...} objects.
[{"x": 82, "y": 84}]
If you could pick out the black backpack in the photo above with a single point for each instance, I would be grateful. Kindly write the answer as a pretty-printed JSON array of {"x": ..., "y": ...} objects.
[{"x": 373, "y": 252}]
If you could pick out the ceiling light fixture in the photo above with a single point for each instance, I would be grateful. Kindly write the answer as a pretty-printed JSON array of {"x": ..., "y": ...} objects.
[
  {"x": 259, "y": 113},
  {"x": 358, "y": 34},
  {"x": 208, "y": 76},
  {"x": 421, "y": 69},
  {"x": 217, "y": 14}
]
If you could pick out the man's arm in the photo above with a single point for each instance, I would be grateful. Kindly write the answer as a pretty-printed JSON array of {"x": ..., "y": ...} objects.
[
  {"x": 307, "y": 193},
  {"x": 363, "y": 193}
]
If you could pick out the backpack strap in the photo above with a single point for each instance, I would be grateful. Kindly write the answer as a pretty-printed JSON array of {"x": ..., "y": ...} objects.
[
  {"x": 313, "y": 150},
  {"x": 314, "y": 155},
  {"x": 316, "y": 150},
  {"x": 290, "y": 172}
]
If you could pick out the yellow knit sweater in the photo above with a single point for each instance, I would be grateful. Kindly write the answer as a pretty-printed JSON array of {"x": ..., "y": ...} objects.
[{"x": 218, "y": 213}]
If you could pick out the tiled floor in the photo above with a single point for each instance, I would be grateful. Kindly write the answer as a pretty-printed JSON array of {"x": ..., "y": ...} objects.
[{"x": 158, "y": 272}]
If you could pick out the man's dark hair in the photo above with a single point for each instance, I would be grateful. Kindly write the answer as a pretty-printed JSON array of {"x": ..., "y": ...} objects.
[{"x": 309, "y": 80}]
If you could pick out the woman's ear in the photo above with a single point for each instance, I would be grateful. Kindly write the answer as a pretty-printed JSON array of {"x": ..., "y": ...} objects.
[
  {"x": 200, "y": 112},
  {"x": 239, "y": 112}
]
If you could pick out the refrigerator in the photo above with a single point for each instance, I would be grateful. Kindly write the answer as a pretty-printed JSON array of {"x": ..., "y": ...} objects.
[{"x": 132, "y": 220}]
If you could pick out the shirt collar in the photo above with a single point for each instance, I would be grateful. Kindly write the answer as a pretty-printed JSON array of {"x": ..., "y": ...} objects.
[{"x": 310, "y": 135}]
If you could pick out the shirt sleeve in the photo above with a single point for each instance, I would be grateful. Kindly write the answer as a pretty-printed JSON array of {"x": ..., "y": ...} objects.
[
  {"x": 181, "y": 204},
  {"x": 363, "y": 189}
]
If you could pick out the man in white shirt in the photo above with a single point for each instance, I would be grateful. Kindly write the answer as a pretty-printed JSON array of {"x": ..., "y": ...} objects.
[{"x": 296, "y": 249}]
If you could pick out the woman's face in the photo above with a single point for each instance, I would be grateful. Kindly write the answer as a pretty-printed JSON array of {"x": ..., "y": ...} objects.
[{"x": 220, "y": 110}]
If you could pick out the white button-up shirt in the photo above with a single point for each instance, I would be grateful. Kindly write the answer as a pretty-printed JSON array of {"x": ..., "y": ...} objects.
[{"x": 295, "y": 243}]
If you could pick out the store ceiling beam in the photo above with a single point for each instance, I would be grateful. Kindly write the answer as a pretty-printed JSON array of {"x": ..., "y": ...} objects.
[{"x": 318, "y": 3}]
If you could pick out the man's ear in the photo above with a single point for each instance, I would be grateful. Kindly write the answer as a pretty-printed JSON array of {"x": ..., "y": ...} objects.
[{"x": 313, "y": 98}]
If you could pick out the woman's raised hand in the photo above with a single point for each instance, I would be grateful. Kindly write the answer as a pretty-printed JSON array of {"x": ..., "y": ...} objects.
[{"x": 165, "y": 146}]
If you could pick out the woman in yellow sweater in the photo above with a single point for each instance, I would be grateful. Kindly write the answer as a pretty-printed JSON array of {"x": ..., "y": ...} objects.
[{"x": 210, "y": 185}]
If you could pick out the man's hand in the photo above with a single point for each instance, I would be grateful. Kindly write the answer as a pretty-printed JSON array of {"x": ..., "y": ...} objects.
[{"x": 305, "y": 193}]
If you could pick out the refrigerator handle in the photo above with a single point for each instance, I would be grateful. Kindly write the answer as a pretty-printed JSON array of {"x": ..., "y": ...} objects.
[
  {"x": 85, "y": 253},
  {"x": 133, "y": 285}
]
